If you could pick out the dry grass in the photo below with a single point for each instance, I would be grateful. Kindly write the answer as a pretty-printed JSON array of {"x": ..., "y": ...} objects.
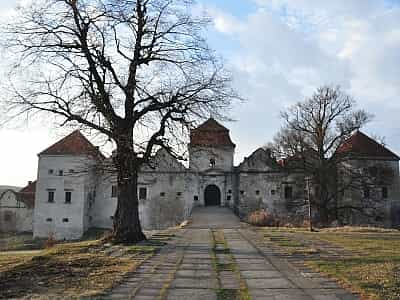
[
  {"x": 70, "y": 270},
  {"x": 373, "y": 269}
]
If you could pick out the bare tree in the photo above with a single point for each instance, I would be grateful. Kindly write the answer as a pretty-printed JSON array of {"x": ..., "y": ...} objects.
[
  {"x": 139, "y": 72},
  {"x": 313, "y": 131}
]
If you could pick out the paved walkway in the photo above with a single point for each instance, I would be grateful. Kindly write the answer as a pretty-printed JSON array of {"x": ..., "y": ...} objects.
[{"x": 216, "y": 258}]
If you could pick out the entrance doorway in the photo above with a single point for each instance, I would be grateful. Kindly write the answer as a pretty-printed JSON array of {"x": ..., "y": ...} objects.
[{"x": 212, "y": 196}]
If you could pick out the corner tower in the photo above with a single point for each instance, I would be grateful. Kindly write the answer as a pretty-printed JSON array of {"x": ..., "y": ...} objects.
[{"x": 211, "y": 147}]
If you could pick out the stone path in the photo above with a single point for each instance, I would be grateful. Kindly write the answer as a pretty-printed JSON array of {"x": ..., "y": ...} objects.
[{"x": 219, "y": 259}]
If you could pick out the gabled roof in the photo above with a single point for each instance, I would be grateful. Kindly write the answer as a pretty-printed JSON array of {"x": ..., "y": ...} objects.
[
  {"x": 361, "y": 145},
  {"x": 73, "y": 144},
  {"x": 210, "y": 133},
  {"x": 27, "y": 194}
]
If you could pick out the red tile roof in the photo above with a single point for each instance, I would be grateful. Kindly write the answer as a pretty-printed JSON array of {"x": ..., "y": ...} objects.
[
  {"x": 359, "y": 144},
  {"x": 210, "y": 133},
  {"x": 27, "y": 194},
  {"x": 73, "y": 144}
]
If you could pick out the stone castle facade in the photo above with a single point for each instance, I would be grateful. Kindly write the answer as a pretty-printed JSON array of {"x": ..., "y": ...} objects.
[{"x": 72, "y": 195}]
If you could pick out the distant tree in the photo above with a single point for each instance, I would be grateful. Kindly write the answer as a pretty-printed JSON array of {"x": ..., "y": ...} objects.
[
  {"x": 313, "y": 131},
  {"x": 138, "y": 72}
]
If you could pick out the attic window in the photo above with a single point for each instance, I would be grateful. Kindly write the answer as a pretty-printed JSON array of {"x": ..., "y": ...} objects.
[{"x": 212, "y": 163}]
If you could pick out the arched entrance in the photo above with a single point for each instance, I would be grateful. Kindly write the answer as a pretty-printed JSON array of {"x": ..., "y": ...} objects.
[{"x": 212, "y": 195}]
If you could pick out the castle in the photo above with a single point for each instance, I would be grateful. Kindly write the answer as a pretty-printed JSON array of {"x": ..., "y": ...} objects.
[{"x": 72, "y": 195}]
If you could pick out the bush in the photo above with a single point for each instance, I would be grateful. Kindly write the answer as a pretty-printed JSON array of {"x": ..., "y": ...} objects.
[
  {"x": 50, "y": 242},
  {"x": 262, "y": 218}
]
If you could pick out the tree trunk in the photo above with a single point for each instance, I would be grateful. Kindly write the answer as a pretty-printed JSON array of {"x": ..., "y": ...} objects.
[{"x": 127, "y": 228}]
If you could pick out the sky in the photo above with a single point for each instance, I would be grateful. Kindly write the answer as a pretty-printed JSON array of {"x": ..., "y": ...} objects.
[{"x": 279, "y": 52}]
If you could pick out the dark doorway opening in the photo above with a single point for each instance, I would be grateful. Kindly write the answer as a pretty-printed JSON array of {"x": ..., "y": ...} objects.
[{"x": 212, "y": 195}]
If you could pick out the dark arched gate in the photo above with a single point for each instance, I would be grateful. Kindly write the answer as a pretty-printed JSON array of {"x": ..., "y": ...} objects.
[{"x": 212, "y": 195}]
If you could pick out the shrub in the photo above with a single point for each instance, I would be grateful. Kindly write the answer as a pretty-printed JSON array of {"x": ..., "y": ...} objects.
[
  {"x": 51, "y": 241},
  {"x": 261, "y": 218}
]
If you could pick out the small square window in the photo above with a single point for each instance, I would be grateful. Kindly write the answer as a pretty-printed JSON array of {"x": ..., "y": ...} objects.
[
  {"x": 179, "y": 194},
  {"x": 49, "y": 220},
  {"x": 162, "y": 194},
  {"x": 367, "y": 193},
  {"x": 51, "y": 171},
  {"x": 257, "y": 192},
  {"x": 196, "y": 198},
  {"x": 65, "y": 220},
  {"x": 229, "y": 191},
  {"x": 50, "y": 196},
  {"x": 68, "y": 195},
  {"x": 114, "y": 191},
  {"x": 60, "y": 173},
  {"x": 142, "y": 193},
  {"x": 384, "y": 192},
  {"x": 273, "y": 192},
  {"x": 288, "y": 192},
  {"x": 241, "y": 192}
]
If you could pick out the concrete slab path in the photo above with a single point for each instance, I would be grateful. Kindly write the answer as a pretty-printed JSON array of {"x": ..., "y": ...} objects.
[{"x": 217, "y": 258}]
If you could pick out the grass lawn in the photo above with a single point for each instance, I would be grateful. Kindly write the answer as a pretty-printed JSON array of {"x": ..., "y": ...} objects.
[
  {"x": 373, "y": 269},
  {"x": 69, "y": 269}
]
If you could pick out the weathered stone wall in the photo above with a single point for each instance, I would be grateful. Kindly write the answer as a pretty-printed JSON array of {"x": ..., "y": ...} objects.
[
  {"x": 15, "y": 216},
  {"x": 199, "y": 158}
]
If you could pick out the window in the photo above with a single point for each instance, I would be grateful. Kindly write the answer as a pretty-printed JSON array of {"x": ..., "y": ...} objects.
[
  {"x": 114, "y": 191},
  {"x": 288, "y": 192},
  {"x": 142, "y": 193},
  {"x": 229, "y": 191},
  {"x": 7, "y": 216},
  {"x": 68, "y": 196},
  {"x": 228, "y": 198},
  {"x": 112, "y": 217},
  {"x": 384, "y": 192},
  {"x": 179, "y": 194},
  {"x": 50, "y": 196},
  {"x": 212, "y": 162},
  {"x": 367, "y": 193},
  {"x": 49, "y": 220},
  {"x": 241, "y": 192},
  {"x": 273, "y": 192},
  {"x": 196, "y": 198},
  {"x": 60, "y": 173},
  {"x": 162, "y": 194},
  {"x": 51, "y": 171},
  {"x": 257, "y": 192},
  {"x": 65, "y": 220}
]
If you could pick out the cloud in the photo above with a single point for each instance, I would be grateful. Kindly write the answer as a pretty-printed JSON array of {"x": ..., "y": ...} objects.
[{"x": 289, "y": 48}]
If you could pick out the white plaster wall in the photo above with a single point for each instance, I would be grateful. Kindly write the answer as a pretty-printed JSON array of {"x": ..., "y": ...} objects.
[
  {"x": 57, "y": 211},
  {"x": 199, "y": 158}
]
